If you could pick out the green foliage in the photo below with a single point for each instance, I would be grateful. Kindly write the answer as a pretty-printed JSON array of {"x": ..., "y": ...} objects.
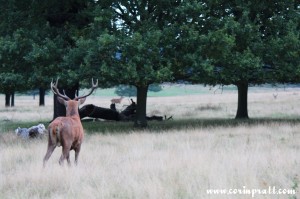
[
  {"x": 139, "y": 48},
  {"x": 13, "y": 68},
  {"x": 45, "y": 58},
  {"x": 139, "y": 62},
  {"x": 11, "y": 81},
  {"x": 285, "y": 54},
  {"x": 243, "y": 37}
]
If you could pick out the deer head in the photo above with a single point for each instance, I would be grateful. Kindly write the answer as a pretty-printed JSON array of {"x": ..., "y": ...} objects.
[{"x": 71, "y": 105}]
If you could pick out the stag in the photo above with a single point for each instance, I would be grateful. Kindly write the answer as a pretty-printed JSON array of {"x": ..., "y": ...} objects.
[{"x": 67, "y": 131}]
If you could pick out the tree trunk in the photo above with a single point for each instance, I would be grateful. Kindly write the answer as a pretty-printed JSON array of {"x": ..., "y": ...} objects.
[
  {"x": 7, "y": 99},
  {"x": 12, "y": 103},
  {"x": 141, "y": 120},
  {"x": 58, "y": 108},
  {"x": 42, "y": 97},
  {"x": 242, "y": 110}
]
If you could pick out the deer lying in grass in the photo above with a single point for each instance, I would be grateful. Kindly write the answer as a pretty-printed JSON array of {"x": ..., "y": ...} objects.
[
  {"x": 116, "y": 100},
  {"x": 66, "y": 131}
]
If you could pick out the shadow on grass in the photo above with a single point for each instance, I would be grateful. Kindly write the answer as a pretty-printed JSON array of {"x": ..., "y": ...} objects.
[{"x": 155, "y": 126}]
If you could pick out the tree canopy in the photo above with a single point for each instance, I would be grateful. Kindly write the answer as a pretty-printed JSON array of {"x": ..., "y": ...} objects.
[{"x": 142, "y": 42}]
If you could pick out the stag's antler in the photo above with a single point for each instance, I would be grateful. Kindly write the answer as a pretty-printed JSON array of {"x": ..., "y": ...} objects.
[
  {"x": 94, "y": 86},
  {"x": 56, "y": 91}
]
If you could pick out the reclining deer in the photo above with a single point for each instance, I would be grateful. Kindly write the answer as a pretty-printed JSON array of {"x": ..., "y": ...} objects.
[{"x": 66, "y": 131}]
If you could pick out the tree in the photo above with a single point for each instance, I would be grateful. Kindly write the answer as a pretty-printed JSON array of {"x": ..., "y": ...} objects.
[
  {"x": 141, "y": 64},
  {"x": 9, "y": 83},
  {"x": 45, "y": 58},
  {"x": 240, "y": 42},
  {"x": 65, "y": 22},
  {"x": 13, "y": 68},
  {"x": 134, "y": 50},
  {"x": 14, "y": 44}
]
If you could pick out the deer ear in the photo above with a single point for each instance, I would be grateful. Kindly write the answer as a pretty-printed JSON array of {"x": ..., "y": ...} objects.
[
  {"x": 62, "y": 101},
  {"x": 81, "y": 101}
]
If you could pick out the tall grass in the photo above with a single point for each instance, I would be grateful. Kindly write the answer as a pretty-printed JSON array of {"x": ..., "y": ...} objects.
[{"x": 165, "y": 164}]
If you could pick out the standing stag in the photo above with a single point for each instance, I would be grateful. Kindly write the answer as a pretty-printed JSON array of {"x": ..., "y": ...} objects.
[
  {"x": 67, "y": 131},
  {"x": 116, "y": 100}
]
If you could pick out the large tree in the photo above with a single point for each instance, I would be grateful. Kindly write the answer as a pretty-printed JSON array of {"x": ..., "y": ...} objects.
[
  {"x": 243, "y": 42},
  {"x": 134, "y": 49},
  {"x": 140, "y": 63}
]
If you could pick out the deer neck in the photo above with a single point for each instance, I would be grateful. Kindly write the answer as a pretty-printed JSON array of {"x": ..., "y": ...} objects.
[
  {"x": 72, "y": 109},
  {"x": 72, "y": 113}
]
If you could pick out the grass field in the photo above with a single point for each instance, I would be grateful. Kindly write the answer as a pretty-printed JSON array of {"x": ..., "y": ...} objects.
[{"x": 203, "y": 148}]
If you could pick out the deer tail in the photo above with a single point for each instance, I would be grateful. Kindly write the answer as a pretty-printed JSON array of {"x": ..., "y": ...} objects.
[{"x": 54, "y": 135}]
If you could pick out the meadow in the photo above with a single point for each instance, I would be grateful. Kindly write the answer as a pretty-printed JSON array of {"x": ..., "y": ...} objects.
[{"x": 201, "y": 149}]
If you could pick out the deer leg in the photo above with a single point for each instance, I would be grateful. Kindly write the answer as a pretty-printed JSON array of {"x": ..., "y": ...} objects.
[
  {"x": 77, "y": 150},
  {"x": 68, "y": 159},
  {"x": 61, "y": 160},
  {"x": 65, "y": 155},
  {"x": 49, "y": 153}
]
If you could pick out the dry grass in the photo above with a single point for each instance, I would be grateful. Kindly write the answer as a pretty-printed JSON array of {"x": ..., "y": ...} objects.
[
  {"x": 172, "y": 164},
  {"x": 177, "y": 164}
]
